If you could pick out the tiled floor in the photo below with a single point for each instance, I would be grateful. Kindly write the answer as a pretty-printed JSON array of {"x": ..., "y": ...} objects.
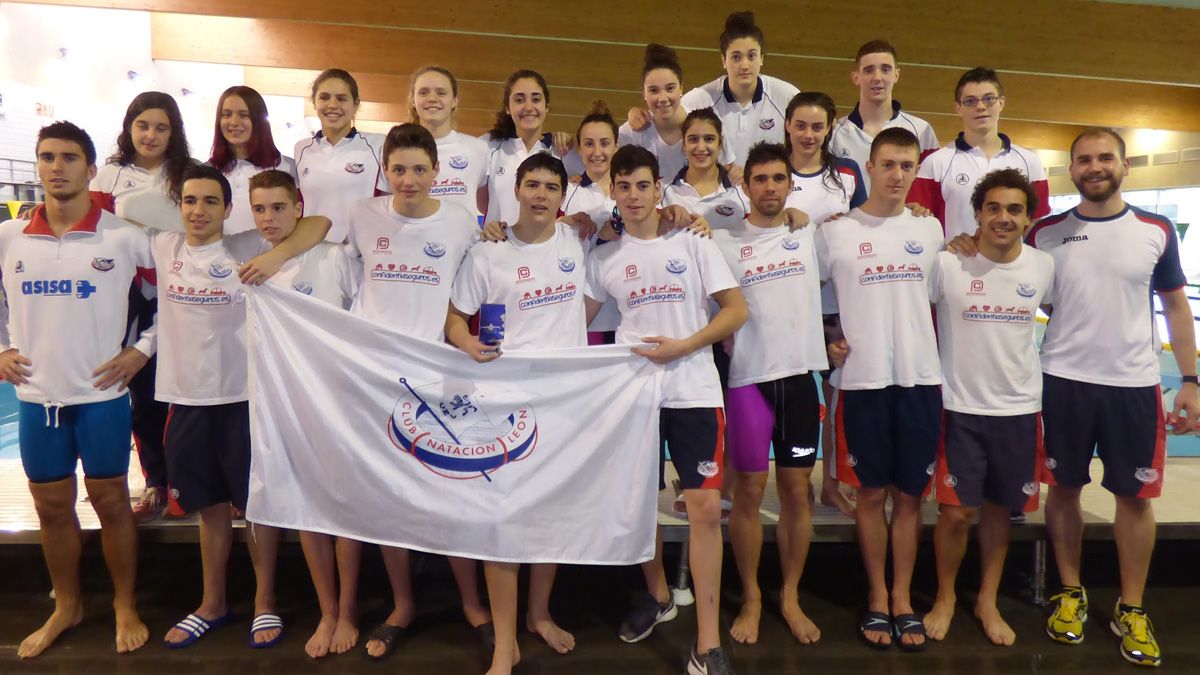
[{"x": 1177, "y": 511}]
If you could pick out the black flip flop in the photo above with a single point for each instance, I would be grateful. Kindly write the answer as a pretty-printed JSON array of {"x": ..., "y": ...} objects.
[
  {"x": 875, "y": 621},
  {"x": 388, "y": 635},
  {"x": 908, "y": 624},
  {"x": 487, "y": 635}
]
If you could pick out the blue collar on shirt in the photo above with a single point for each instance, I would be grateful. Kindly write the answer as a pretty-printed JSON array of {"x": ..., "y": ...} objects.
[
  {"x": 681, "y": 177},
  {"x": 320, "y": 134},
  {"x": 758, "y": 91},
  {"x": 585, "y": 181},
  {"x": 962, "y": 144},
  {"x": 856, "y": 117}
]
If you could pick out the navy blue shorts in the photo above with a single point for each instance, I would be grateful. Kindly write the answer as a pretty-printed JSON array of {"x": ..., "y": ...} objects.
[
  {"x": 696, "y": 440},
  {"x": 1124, "y": 425},
  {"x": 888, "y": 436},
  {"x": 53, "y": 438},
  {"x": 208, "y": 454},
  {"x": 993, "y": 458}
]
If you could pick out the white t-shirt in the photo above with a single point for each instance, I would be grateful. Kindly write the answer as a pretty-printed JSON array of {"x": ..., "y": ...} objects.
[
  {"x": 504, "y": 156},
  {"x": 587, "y": 197},
  {"x": 462, "y": 170},
  {"x": 947, "y": 178},
  {"x": 777, "y": 272},
  {"x": 201, "y": 320},
  {"x": 409, "y": 264},
  {"x": 139, "y": 195},
  {"x": 662, "y": 288},
  {"x": 241, "y": 217},
  {"x": 68, "y": 299},
  {"x": 540, "y": 286},
  {"x": 879, "y": 269},
  {"x": 761, "y": 120},
  {"x": 332, "y": 177},
  {"x": 851, "y": 141},
  {"x": 324, "y": 272},
  {"x": 813, "y": 194},
  {"x": 1102, "y": 329},
  {"x": 987, "y": 333},
  {"x": 723, "y": 209}
]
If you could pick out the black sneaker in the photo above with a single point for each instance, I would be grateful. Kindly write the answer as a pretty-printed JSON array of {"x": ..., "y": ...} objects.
[
  {"x": 713, "y": 662},
  {"x": 641, "y": 620}
]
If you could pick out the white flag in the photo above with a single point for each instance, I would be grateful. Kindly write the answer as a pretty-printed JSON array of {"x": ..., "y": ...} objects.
[{"x": 362, "y": 432}]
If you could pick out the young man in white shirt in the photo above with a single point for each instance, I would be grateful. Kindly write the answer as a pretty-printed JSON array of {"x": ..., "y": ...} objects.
[
  {"x": 876, "y": 74},
  {"x": 662, "y": 280},
  {"x": 772, "y": 397},
  {"x": 411, "y": 246},
  {"x": 326, "y": 273},
  {"x": 948, "y": 176},
  {"x": 990, "y": 454},
  {"x": 202, "y": 319},
  {"x": 68, "y": 273},
  {"x": 540, "y": 253},
  {"x": 887, "y": 414}
]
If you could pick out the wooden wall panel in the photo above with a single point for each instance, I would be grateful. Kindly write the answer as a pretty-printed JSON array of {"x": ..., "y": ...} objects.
[{"x": 1069, "y": 37}]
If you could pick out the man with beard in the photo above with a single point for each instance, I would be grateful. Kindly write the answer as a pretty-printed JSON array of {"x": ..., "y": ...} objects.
[{"x": 1101, "y": 384}]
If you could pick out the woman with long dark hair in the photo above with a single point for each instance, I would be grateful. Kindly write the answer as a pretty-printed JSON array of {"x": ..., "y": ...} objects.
[
  {"x": 142, "y": 182},
  {"x": 243, "y": 146},
  {"x": 519, "y": 132}
]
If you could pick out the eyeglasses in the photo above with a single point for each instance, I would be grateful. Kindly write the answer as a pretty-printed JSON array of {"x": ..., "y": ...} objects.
[{"x": 972, "y": 101}]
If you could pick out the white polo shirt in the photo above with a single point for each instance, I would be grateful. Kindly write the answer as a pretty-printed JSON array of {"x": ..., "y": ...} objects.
[
  {"x": 947, "y": 178},
  {"x": 987, "y": 333},
  {"x": 777, "y": 271},
  {"x": 1102, "y": 329},
  {"x": 332, "y": 177},
  {"x": 462, "y": 170},
  {"x": 723, "y": 209},
  {"x": 540, "y": 286},
  {"x": 68, "y": 300},
  {"x": 139, "y": 195},
  {"x": 504, "y": 156},
  {"x": 851, "y": 141},
  {"x": 741, "y": 127},
  {"x": 820, "y": 195},
  {"x": 662, "y": 287},
  {"x": 241, "y": 217},
  {"x": 201, "y": 321},
  {"x": 879, "y": 268},
  {"x": 587, "y": 197},
  {"x": 408, "y": 264}
]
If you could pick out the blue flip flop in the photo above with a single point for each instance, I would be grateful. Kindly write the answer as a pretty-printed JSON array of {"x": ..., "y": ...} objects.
[
  {"x": 265, "y": 622},
  {"x": 196, "y": 628}
]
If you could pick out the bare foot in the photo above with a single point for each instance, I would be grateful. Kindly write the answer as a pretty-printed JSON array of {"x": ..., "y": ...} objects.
[
  {"x": 131, "y": 632},
  {"x": 745, "y": 626},
  {"x": 937, "y": 621},
  {"x": 177, "y": 635},
  {"x": 42, "y": 638},
  {"x": 344, "y": 637},
  {"x": 911, "y": 639},
  {"x": 994, "y": 625},
  {"x": 802, "y": 627},
  {"x": 832, "y": 497},
  {"x": 318, "y": 645},
  {"x": 399, "y": 617},
  {"x": 559, "y": 640},
  {"x": 499, "y": 667}
]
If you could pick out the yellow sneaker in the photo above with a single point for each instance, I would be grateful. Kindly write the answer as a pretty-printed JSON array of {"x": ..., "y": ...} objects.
[
  {"x": 1138, "y": 645},
  {"x": 1068, "y": 612}
]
